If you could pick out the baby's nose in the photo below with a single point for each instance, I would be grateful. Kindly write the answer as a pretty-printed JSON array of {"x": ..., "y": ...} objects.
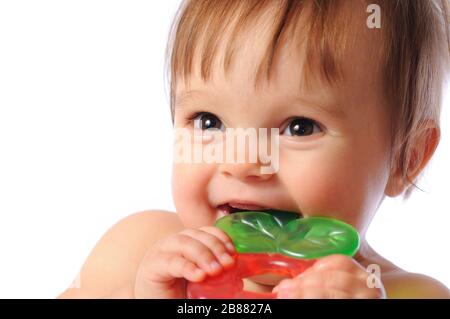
[{"x": 248, "y": 172}]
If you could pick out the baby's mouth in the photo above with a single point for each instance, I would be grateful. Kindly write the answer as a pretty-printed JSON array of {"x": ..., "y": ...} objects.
[
  {"x": 267, "y": 280},
  {"x": 231, "y": 208}
]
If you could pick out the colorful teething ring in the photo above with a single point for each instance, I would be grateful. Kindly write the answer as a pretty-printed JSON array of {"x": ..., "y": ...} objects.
[{"x": 278, "y": 242}]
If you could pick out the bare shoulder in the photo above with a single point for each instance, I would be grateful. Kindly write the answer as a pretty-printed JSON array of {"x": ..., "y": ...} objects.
[
  {"x": 399, "y": 283},
  {"x": 402, "y": 284},
  {"x": 114, "y": 260}
]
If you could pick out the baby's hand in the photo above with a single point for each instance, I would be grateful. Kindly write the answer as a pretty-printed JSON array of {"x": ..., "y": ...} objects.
[
  {"x": 188, "y": 255},
  {"x": 332, "y": 277}
]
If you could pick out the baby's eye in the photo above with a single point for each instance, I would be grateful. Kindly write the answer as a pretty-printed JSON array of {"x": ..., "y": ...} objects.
[
  {"x": 206, "y": 121},
  {"x": 301, "y": 126}
]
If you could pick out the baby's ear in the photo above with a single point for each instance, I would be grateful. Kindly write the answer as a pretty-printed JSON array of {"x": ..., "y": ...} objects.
[{"x": 422, "y": 147}]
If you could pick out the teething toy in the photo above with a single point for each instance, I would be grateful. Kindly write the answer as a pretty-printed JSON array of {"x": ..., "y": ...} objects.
[{"x": 275, "y": 242}]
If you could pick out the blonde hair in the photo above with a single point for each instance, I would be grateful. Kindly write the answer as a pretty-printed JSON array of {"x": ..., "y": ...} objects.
[{"x": 416, "y": 46}]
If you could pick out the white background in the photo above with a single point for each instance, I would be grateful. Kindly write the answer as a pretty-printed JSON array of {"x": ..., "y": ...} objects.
[{"x": 85, "y": 140}]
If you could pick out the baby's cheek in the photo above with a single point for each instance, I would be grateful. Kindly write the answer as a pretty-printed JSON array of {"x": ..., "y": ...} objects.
[
  {"x": 189, "y": 192},
  {"x": 326, "y": 187}
]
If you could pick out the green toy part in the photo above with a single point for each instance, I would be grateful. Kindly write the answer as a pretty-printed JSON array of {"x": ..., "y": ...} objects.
[{"x": 285, "y": 233}]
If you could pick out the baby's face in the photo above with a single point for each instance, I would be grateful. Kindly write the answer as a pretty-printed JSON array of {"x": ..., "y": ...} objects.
[{"x": 333, "y": 141}]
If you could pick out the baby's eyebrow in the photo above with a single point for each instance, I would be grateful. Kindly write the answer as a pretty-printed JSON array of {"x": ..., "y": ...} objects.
[
  {"x": 334, "y": 111},
  {"x": 182, "y": 98}
]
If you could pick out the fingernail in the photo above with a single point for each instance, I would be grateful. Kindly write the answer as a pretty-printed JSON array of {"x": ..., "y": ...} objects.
[
  {"x": 199, "y": 272},
  {"x": 284, "y": 284},
  {"x": 226, "y": 259},
  {"x": 284, "y": 295},
  {"x": 230, "y": 247},
  {"x": 214, "y": 266}
]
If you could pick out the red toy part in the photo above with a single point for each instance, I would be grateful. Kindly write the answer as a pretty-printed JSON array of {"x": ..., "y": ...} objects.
[{"x": 229, "y": 284}]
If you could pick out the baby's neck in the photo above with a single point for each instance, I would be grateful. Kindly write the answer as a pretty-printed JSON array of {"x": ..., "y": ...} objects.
[{"x": 365, "y": 254}]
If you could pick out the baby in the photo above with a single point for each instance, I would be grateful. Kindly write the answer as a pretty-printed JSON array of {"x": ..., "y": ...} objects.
[{"x": 367, "y": 78}]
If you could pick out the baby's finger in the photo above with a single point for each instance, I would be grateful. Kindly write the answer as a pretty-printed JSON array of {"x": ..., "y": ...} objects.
[
  {"x": 315, "y": 294},
  {"x": 339, "y": 263},
  {"x": 325, "y": 284},
  {"x": 181, "y": 267},
  {"x": 193, "y": 250},
  {"x": 222, "y": 236},
  {"x": 333, "y": 279},
  {"x": 347, "y": 282},
  {"x": 171, "y": 266},
  {"x": 213, "y": 243}
]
